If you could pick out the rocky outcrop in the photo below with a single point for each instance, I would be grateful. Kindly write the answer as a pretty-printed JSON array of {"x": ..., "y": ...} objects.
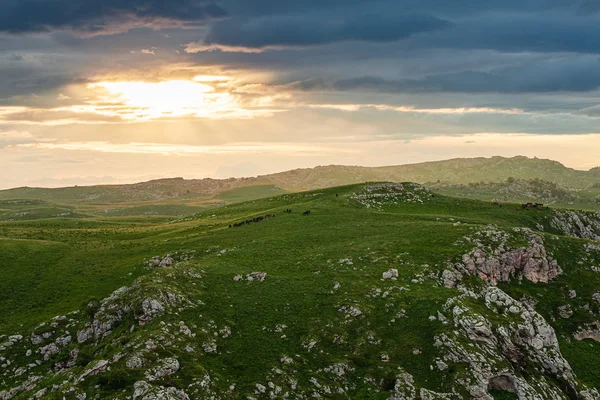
[
  {"x": 405, "y": 389},
  {"x": 95, "y": 369},
  {"x": 169, "y": 259},
  {"x": 144, "y": 391},
  {"x": 26, "y": 386},
  {"x": 502, "y": 264},
  {"x": 167, "y": 367},
  {"x": 26, "y": 365},
  {"x": 145, "y": 304},
  {"x": 378, "y": 195},
  {"x": 495, "y": 349},
  {"x": 577, "y": 224}
]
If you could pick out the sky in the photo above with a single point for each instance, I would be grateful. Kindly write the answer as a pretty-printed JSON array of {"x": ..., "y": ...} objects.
[{"x": 117, "y": 91}]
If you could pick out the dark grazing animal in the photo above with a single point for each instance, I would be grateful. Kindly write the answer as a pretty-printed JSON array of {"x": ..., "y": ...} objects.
[
  {"x": 250, "y": 221},
  {"x": 306, "y": 212}
]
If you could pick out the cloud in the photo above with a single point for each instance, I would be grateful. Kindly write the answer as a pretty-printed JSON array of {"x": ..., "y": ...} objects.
[
  {"x": 102, "y": 16},
  {"x": 549, "y": 31},
  {"x": 181, "y": 149},
  {"x": 303, "y": 30},
  {"x": 109, "y": 102},
  {"x": 150, "y": 51},
  {"x": 562, "y": 75},
  {"x": 199, "y": 47},
  {"x": 416, "y": 110},
  {"x": 593, "y": 111},
  {"x": 10, "y": 138}
]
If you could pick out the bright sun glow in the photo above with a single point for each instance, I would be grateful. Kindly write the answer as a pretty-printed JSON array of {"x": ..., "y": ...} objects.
[{"x": 167, "y": 99}]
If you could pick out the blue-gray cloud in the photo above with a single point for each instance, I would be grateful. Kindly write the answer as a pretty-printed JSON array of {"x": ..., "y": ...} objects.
[
  {"x": 309, "y": 30},
  {"x": 562, "y": 31},
  {"x": 542, "y": 77},
  {"x": 98, "y": 16}
]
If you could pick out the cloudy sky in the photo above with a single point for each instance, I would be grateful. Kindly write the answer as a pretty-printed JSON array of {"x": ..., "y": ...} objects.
[{"x": 109, "y": 91}]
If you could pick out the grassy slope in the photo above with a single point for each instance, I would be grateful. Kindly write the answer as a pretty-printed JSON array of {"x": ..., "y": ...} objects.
[
  {"x": 249, "y": 193},
  {"x": 532, "y": 190},
  {"x": 51, "y": 267},
  {"x": 456, "y": 171}
]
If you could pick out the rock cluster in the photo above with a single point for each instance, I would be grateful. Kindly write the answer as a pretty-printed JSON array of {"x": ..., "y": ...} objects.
[
  {"x": 589, "y": 331},
  {"x": 253, "y": 276},
  {"x": 144, "y": 391},
  {"x": 145, "y": 305},
  {"x": 502, "y": 264},
  {"x": 164, "y": 262},
  {"x": 380, "y": 194},
  {"x": 392, "y": 273},
  {"x": 577, "y": 224},
  {"x": 169, "y": 259},
  {"x": 494, "y": 350},
  {"x": 55, "y": 351}
]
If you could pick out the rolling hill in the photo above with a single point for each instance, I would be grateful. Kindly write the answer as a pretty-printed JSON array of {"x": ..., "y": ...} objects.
[
  {"x": 178, "y": 196},
  {"x": 382, "y": 291}
]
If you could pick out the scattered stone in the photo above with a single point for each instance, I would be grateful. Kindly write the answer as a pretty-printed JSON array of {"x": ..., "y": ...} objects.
[
  {"x": 167, "y": 367},
  {"x": 97, "y": 368},
  {"x": 391, "y": 274},
  {"x": 144, "y": 391},
  {"x": 565, "y": 311},
  {"x": 49, "y": 350}
]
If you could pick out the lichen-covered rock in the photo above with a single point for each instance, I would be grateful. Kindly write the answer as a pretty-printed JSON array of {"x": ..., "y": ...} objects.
[
  {"x": 392, "y": 273},
  {"x": 577, "y": 224},
  {"x": 146, "y": 303},
  {"x": 168, "y": 366},
  {"x": 49, "y": 350},
  {"x": 256, "y": 276},
  {"x": 135, "y": 361},
  {"x": 589, "y": 331},
  {"x": 144, "y": 391},
  {"x": 565, "y": 311},
  {"x": 494, "y": 349},
  {"x": 500, "y": 264},
  {"x": 379, "y": 194}
]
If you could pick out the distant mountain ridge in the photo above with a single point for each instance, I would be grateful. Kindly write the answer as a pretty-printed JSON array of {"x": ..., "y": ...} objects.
[{"x": 453, "y": 171}]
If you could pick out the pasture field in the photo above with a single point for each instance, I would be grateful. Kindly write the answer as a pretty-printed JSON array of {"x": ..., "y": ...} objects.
[{"x": 321, "y": 268}]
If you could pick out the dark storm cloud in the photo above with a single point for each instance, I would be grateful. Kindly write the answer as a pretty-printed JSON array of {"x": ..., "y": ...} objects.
[
  {"x": 97, "y": 16},
  {"x": 379, "y": 46},
  {"x": 549, "y": 76},
  {"x": 589, "y": 7},
  {"x": 25, "y": 81},
  {"x": 444, "y": 7},
  {"x": 308, "y": 30},
  {"x": 547, "y": 32}
]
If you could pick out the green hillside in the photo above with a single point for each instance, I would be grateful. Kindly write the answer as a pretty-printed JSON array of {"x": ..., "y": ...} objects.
[
  {"x": 195, "y": 191},
  {"x": 525, "y": 190},
  {"x": 382, "y": 291}
]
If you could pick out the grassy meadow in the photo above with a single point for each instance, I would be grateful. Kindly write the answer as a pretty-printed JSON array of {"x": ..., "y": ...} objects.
[{"x": 316, "y": 264}]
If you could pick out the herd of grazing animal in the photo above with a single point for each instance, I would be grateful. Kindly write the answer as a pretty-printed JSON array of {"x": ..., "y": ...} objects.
[
  {"x": 250, "y": 221},
  {"x": 262, "y": 218},
  {"x": 526, "y": 206},
  {"x": 535, "y": 206}
]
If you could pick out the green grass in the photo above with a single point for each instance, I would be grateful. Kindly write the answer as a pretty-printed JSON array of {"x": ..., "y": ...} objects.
[
  {"x": 52, "y": 266},
  {"x": 249, "y": 193}
]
